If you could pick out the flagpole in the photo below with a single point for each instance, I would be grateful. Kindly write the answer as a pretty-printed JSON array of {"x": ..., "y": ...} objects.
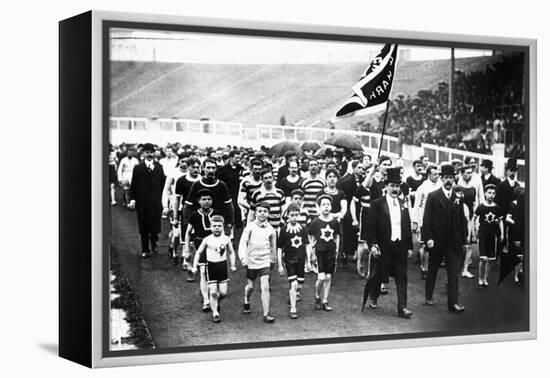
[{"x": 383, "y": 128}]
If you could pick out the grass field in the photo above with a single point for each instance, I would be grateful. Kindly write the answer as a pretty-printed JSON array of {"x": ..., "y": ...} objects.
[{"x": 171, "y": 307}]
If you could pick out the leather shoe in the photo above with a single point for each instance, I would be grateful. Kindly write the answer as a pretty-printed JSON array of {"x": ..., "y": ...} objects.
[
  {"x": 456, "y": 308},
  {"x": 429, "y": 302},
  {"x": 405, "y": 313}
]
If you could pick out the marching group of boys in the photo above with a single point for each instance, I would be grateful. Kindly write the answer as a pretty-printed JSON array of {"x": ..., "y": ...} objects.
[{"x": 307, "y": 214}]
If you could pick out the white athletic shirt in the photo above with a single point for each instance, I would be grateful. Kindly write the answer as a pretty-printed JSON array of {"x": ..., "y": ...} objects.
[{"x": 216, "y": 247}]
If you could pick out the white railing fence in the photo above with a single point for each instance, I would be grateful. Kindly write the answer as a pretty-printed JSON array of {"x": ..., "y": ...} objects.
[{"x": 220, "y": 133}]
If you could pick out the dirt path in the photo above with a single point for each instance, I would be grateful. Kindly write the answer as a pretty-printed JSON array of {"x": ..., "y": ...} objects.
[{"x": 172, "y": 307}]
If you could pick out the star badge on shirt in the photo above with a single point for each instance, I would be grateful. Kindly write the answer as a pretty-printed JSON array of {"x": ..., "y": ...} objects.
[
  {"x": 489, "y": 217},
  {"x": 327, "y": 233},
  {"x": 221, "y": 249},
  {"x": 296, "y": 241}
]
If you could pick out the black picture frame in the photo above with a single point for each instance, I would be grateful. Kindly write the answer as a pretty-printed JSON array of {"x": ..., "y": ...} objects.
[{"x": 84, "y": 258}]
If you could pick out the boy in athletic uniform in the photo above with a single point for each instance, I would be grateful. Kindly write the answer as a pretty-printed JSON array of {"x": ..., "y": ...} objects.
[
  {"x": 490, "y": 229},
  {"x": 324, "y": 234},
  {"x": 297, "y": 198},
  {"x": 257, "y": 252},
  {"x": 292, "y": 244},
  {"x": 215, "y": 247},
  {"x": 200, "y": 226}
]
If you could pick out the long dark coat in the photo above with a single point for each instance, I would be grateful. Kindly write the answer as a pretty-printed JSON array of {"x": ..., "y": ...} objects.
[
  {"x": 444, "y": 222},
  {"x": 379, "y": 232},
  {"x": 146, "y": 189},
  {"x": 348, "y": 184}
]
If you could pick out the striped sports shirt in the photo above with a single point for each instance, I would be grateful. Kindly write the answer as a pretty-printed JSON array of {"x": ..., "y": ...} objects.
[
  {"x": 275, "y": 198},
  {"x": 249, "y": 186},
  {"x": 312, "y": 188},
  {"x": 362, "y": 195}
]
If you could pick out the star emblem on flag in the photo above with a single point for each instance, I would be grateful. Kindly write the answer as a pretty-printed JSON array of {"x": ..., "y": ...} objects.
[
  {"x": 296, "y": 241},
  {"x": 327, "y": 233}
]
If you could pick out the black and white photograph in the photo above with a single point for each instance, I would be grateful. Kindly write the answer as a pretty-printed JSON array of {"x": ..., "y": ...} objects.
[{"x": 282, "y": 190}]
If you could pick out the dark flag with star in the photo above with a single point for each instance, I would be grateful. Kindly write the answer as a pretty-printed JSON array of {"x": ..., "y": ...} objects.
[{"x": 372, "y": 91}]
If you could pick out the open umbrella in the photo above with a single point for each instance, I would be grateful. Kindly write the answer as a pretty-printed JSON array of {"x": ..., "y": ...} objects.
[
  {"x": 311, "y": 145},
  {"x": 321, "y": 152},
  {"x": 345, "y": 141},
  {"x": 281, "y": 148}
]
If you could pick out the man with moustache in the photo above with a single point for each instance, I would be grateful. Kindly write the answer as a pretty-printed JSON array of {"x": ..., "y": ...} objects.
[
  {"x": 284, "y": 170},
  {"x": 230, "y": 174},
  {"x": 444, "y": 229},
  {"x": 312, "y": 186},
  {"x": 505, "y": 195},
  {"x": 390, "y": 239},
  {"x": 146, "y": 198},
  {"x": 290, "y": 182},
  {"x": 429, "y": 185},
  {"x": 349, "y": 184},
  {"x": 249, "y": 185},
  {"x": 505, "y": 189},
  {"x": 221, "y": 200}
]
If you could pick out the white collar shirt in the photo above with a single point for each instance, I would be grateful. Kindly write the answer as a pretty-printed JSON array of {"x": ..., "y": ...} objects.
[
  {"x": 395, "y": 217},
  {"x": 447, "y": 193}
]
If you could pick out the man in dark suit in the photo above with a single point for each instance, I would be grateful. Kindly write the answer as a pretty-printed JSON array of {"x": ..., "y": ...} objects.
[
  {"x": 505, "y": 196},
  {"x": 283, "y": 170},
  {"x": 390, "y": 238},
  {"x": 444, "y": 229},
  {"x": 505, "y": 189},
  {"x": 487, "y": 177},
  {"x": 348, "y": 184},
  {"x": 146, "y": 197},
  {"x": 230, "y": 174}
]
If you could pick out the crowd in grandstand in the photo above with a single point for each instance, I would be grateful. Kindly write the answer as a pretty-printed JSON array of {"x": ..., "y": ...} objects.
[
  {"x": 425, "y": 117},
  {"x": 307, "y": 214}
]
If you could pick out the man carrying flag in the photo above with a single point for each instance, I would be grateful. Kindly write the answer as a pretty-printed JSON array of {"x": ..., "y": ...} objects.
[{"x": 372, "y": 92}]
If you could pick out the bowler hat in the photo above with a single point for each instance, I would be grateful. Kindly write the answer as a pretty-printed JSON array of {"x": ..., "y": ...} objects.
[
  {"x": 487, "y": 164},
  {"x": 148, "y": 147},
  {"x": 512, "y": 164},
  {"x": 447, "y": 170},
  {"x": 393, "y": 175}
]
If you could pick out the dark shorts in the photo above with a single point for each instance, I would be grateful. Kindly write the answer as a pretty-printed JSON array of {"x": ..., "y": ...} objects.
[
  {"x": 326, "y": 261},
  {"x": 112, "y": 174},
  {"x": 487, "y": 245},
  {"x": 216, "y": 272},
  {"x": 295, "y": 267},
  {"x": 252, "y": 274}
]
